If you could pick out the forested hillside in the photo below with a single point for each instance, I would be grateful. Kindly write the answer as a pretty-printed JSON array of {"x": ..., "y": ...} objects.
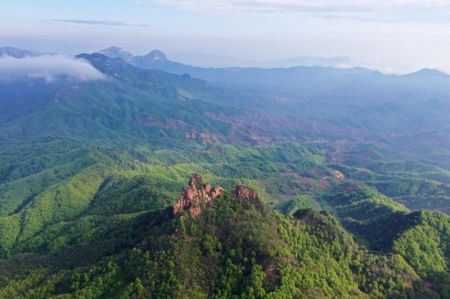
[{"x": 235, "y": 247}]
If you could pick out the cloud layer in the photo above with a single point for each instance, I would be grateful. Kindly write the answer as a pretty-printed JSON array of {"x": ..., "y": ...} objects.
[
  {"x": 100, "y": 22},
  {"x": 48, "y": 68},
  {"x": 371, "y": 10}
]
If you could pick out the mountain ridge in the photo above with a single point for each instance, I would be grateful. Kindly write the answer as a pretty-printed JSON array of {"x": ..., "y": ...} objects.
[
  {"x": 128, "y": 56},
  {"x": 16, "y": 52},
  {"x": 158, "y": 59}
]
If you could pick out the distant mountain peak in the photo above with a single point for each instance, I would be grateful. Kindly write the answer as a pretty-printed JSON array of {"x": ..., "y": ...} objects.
[
  {"x": 116, "y": 52},
  {"x": 15, "y": 52},
  {"x": 113, "y": 48},
  {"x": 429, "y": 73},
  {"x": 156, "y": 55}
]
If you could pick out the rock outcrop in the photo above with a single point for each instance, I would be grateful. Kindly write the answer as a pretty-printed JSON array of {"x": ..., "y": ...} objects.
[
  {"x": 245, "y": 193},
  {"x": 198, "y": 192}
]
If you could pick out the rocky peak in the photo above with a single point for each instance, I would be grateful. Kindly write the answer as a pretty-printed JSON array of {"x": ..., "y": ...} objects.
[
  {"x": 116, "y": 52},
  {"x": 245, "y": 193},
  {"x": 196, "y": 181},
  {"x": 198, "y": 192},
  {"x": 155, "y": 55}
]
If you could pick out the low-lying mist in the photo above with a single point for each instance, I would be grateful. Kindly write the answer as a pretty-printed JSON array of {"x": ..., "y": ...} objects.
[{"x": 48, "y": 68}]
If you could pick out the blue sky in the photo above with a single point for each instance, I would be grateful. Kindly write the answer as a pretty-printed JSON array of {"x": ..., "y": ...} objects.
[{"x": 400, "y": 35}]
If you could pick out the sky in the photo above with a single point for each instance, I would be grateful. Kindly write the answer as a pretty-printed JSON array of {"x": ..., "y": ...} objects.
[{"x": 389, "y": 35}]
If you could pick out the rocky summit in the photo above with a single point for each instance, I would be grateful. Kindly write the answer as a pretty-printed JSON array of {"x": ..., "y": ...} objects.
[
  {"x": 198, "y": 192},
  {"x": 245, "y": 193}
]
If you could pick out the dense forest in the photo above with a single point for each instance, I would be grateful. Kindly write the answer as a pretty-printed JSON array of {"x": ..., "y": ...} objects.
[{"x": 236, "y": 247}]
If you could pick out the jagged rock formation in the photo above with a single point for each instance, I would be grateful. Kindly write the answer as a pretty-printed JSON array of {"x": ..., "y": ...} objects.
[
  {"x": 197, "y": 193},
  {"x": 245, "y": 193}
]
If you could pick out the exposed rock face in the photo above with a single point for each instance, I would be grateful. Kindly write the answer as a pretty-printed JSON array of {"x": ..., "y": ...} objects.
[
  {"x": 197, "y": 193},
  {"x": 245, "y": 193}
]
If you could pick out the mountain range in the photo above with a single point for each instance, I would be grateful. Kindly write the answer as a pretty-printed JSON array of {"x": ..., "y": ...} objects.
[
  {"x": 217, "y": 61},
  {"x": 15, "y": 52},
  {"x": 304, "y": 182}
]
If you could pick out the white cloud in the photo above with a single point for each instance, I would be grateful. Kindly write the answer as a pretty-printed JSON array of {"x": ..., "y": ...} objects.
[
  {"x": 369, "y": 10},
  {"x": 48, "y": 68},
  {"x": 302, "y": 3},
  {"x": 100, "y": 22}
]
